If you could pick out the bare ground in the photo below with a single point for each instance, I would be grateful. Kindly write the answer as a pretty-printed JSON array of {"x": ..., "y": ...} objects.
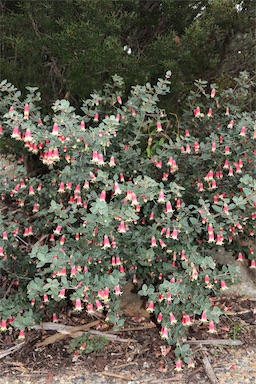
[{"x": 139, "y": 359}]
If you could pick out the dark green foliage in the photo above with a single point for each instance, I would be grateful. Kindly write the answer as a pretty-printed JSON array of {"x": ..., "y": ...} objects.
[{"x": 68, "y": 48}]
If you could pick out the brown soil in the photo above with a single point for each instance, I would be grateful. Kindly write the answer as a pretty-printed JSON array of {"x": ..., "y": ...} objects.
[{"x": 141, "y": 360}]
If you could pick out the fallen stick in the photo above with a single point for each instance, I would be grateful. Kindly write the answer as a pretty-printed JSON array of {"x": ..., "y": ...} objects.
[
  {"x": 51, "y": 339},
  {"x": 209, "y": 370},
  {"x": 49, "y": 326},
  {"x": 65, "y": 331},
  {"x": 244, "y": 312},
  {"x": 11, "y": 350},
  {"x": 215, "y": 342}
]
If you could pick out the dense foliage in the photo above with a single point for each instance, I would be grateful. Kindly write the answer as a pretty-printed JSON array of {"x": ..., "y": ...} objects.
[
  {"x": 68, "y": 48},
  {"x": 122, "y": 195}
]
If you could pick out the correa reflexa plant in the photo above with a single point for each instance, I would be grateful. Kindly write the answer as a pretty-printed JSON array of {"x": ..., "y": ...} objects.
[{"x": 123, "y": 194}]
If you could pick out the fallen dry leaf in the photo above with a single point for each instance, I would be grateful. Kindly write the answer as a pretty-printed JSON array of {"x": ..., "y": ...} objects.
[{"x": 49, "y": 378}]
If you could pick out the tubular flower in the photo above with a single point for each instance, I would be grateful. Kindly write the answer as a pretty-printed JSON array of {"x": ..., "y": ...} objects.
[
  {"x": 28, "y": 136},
  {"x": 112, "y": 162},
  {"x": 153, "y": 242},
  {"x": 106, "y": 243},
  {"x": 118, "y": 291},
  {"x": 55, "y": 129},
  {"x": 168, "y": 207},
  {"x": 212, "y": 327},
  {"x": 213, "y": 93},
  {"x": 209, "y": 114},
  {"x": 16, "y": 133},
  {"x": 197, "y": 112},
  {"x": 73, "y": 271},
  {"x": 90, "y": 309},
  {"x": 172, "y": 319},
  {"x": 161, "y": 197},
  {"x": 159, "y": 126},
  {"x": 174, "y": 234},
  {"x": 191, "y": 364},
  {"x": 122, "y": 227},
  {"x": 78, "y": 305},
  {"x": 3, "y": 327},
  {"x": 62, "y": 294},
  {"x": 26, "y": 112},
  {"x": 223, "y": 285},
  {"x": 178, "y": 365},
  {"x": 103, "y": 196},
  {"x": 204, "y": 317},
  {"x": 21, "y": 334},
  {"x": 96, "y": 117},
  {"x": 164, "y": 333},
  {"x": 243, "y": 131},
  {"x": 150, "y": 307}
]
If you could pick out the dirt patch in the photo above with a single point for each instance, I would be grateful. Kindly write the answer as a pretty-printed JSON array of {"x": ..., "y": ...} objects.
[{"x": 142, "y": 358}]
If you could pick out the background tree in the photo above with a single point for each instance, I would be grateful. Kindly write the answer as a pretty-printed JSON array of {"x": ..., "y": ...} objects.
[{"x": 71, "y": 47}]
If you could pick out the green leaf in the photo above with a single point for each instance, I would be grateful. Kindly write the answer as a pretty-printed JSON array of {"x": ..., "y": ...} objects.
[
  {"x": 193, "y": 220},
  {"x": 185, "y": 348},
  {"x": 247, "y": 191}
]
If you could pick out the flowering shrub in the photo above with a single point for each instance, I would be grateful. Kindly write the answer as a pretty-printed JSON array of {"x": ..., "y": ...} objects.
[{"x": 125, "y": 196}]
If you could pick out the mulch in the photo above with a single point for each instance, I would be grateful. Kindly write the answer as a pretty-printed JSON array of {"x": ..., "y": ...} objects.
[{"x": 142, "y": 358}]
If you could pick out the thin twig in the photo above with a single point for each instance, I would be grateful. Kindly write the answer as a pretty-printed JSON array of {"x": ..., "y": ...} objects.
[
  {"x": 34, "y": 25},
  {"x": 11, "y": 350},
  {"x": 23, "y": 241}
]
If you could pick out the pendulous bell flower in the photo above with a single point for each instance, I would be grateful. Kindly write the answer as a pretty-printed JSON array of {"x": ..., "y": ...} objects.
[
  {"x": 204, "y": 317},
  {"x": 223, "y": 285},
  {"x": 21, "y": 334},
  {"x": 178, "y": 366},
  {"x": 55, "y": 129},
  {"x": 106, "y": 243},
  {"x": 150, "y": 307},
  {"x": 161, "y": 198},
  {"x": 78, "y": 305},
  {"x": 212, "y": 327},
  {"x": 191, "y": 363},
  {"x": 172, "y": 319},
  {"x": 164, "y": 333},
  {"x": 159, "y": 126},
  {"x": 26, "y": 112}
]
